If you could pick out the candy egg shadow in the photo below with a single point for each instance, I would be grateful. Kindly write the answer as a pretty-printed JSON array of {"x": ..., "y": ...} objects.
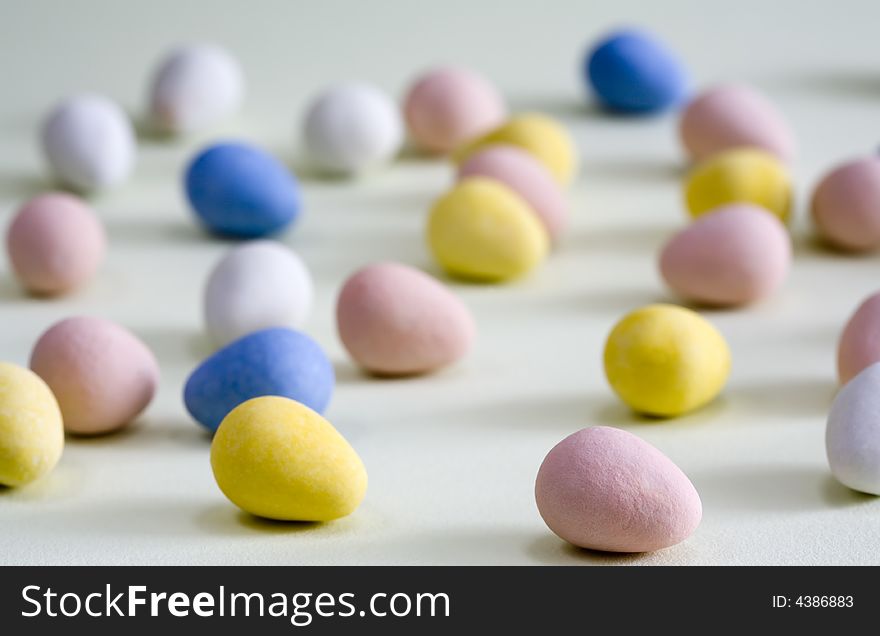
[
  {"x": 809, "y": 244},
  {"x": 22, "y": 186},
  {"x": 227, "y": 520},
  {"x": 551, "y": 550},
  {"x": 148, "y": 432},
  {"x": 632, "y": 169},
  {"x": 169, "y": 342},
  {"x": 772, "y": 488},
  {"x": 147, "y": 231},
  {"x": 785, "y": 398},
  {"x": 64, "y": 481},
  {"x": 612, "y": 412},
  {"x": 843, "y": 82}
]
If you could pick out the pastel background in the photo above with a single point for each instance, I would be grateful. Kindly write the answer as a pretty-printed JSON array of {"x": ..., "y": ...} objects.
[{"x": 452, "y": 458}]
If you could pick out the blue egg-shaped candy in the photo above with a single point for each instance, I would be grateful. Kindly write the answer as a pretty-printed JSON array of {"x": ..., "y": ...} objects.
[
  {"x": 632, "y": 72},
  {"x": 241, "y": 191},
  {"x": 274, "y": 361}
]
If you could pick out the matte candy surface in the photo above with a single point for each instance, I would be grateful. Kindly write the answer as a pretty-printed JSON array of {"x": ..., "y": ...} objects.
[
  {"x": 273, "y": 361},
  {"x": 846, "y": 205},
  {"x": 538, "y": 134},
  {"x": 664, "y": 360},
  {"x": 55, "y": 243},
  {"x": 852, "y": 437},
  {"x": 742, "y": 175},
  {"x": 256, "y": 285},
  {"x": 633, "y": 72},
  {"x": 733, "y": 255},
  {"x": 447, "y": 106},
  {"x": 101, "y": 374},
  {"x": 859, "y": 345},
  {"x": 241, "y": 191},
  {"x": 396, "y": 320},
  {"x": 483, "y": 230},
  {"x": 606, "y": 489},
  {"x": 352, "y": 128},
  {"x": 275, "y": 458},
  {"x": 734, "y": 116},
  {"x": 525, "y": 175},
  {"x": 194, "y": 86},
  {"x": 31, "y": 431},
  {"x": 89, "y": 143}
]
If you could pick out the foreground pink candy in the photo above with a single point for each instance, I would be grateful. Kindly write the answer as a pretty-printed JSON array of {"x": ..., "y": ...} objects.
[
  {"x": 522, "y": 173},
  {"x": 846, "y": 205},
  {"x": 859, "y": 345},
  {"x": 396, "y": 320},
  {"x": 605, "y": 489},
  {"x": 55, "y": 243},
  {"x": 727, "y": 117},
  {"x": 100, "y": 373}
]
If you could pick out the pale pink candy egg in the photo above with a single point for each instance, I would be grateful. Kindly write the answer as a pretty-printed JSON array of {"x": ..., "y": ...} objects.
[
  {"x": 605, "y": 489},
  {"x": 733, "y": 255},
  {"x": 846, "y": 205},
  {"x": 101, "y": 374},
  {"x": 55, "y": 243},
  {"x": 733, "y": 116},
  {"x": 859, "y": 344},
  {"x": 447, "y": 106},
  {"x": 526, "y": 176},
  {"x": 396, "y": 320}
]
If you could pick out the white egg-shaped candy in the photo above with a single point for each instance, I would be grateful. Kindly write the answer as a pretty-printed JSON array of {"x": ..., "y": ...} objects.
[
  {"x": 256, "y": 285},
  {"x": 852, "y": 438},
  {"x": 352, "y": 128},
  {"x": 194, "y": 86},
  {"x": 89, "y": 142}
]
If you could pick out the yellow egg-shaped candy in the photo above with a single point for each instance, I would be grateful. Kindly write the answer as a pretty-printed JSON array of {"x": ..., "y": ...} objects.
[
  {"x": 741, "y": 175},
  {"x": 665, "y": 360},
  {"x": 31, "y": 428},
  {"x": 276, "y": 458},
  {"x": 483, "y": 230},
  {"x": 538, "y": 134}
]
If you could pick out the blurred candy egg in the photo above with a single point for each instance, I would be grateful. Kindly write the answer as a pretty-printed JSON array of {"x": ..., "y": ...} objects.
[
  {"x": 525, "y": 175},
  {"x": 101, "y": 374},
  {"x": 352, "y": 128},
  {"x": 447, "y": 106},
  {"x": 742, "y": 175},
  {"x": 276, "y": 458},
  {"x": 846, "y": 205},
  {"x": 241, "y": 191},
  {"x": 89, "y": 143},
  {"x": 254, "y": 286},
  {"x": 483, "y": 230},
  {"x": 633, "y": 72},
  {"x": 55, "y": 243},
  {"x": 732, "y": 255},
  {"x": 275, "y": 361},
  {"x": 31, "y": 430},
  {"x": 852, "y": 436},
  {"x": 665, "y": 361},
  {"x": 859, "y": 344},
  {"x": 538, "y": 134},
  {"x": 396, "y": 320},
  {"x": 728, "y": 117},
  {"x": 603, "y": 488},
  {"x": 193, "y": 87}
]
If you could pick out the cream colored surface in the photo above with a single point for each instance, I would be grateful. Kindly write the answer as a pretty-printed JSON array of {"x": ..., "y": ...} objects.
[{"x": 452, "y": 458}]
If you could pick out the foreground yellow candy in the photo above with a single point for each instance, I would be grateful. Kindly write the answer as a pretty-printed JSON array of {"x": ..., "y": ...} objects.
[
  {"x": 665, "y": 360},
  {"x": 276, "y": 458},
  {"x": 538, "y": 134},
  {"x": 483, "y": 230},
  {"x": 741, "y": 175},
  {"x": 31, "y": 429}
]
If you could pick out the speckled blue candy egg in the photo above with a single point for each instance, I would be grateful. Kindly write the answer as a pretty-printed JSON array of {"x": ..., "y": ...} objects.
[
  {"x": 632, "y": 72},
  {"x": 241, "y": 191},
  {"x": 273, "y": 361}
]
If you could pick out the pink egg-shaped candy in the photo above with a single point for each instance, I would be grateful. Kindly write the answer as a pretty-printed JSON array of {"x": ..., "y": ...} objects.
[
  {"x": 733, "y": 116},
  {"x": 605, "y": 489},
  {"x": 859, "y": 344},
  {"x": 733, "y": 255},
  {"x": 447, "y": 106},
  {"x": 101, "y": 374},
  {"x": 526, "y": 176},
  {"x": 55, "y": 243},
  {"x": 396, "y": 320},
  {"x": 846, "y": 205}
]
